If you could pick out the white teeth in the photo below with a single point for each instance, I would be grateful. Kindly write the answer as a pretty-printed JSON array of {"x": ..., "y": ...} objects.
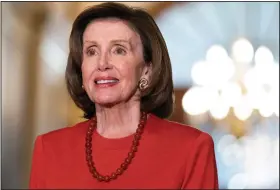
[{"x": 106, "y": 81}]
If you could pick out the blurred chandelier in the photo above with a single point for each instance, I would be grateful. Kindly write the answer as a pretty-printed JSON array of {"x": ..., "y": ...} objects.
[{"x": 243, "y": 83}]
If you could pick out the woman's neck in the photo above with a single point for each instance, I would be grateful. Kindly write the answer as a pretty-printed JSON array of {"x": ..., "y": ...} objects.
[{"x": 119, "y": 121}]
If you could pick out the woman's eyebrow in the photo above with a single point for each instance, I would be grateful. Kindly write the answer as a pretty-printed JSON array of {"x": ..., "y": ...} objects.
[
  {"x": 122, "y": 41},
  {"x": 90, "y": 41},
  {"x": 129, "y": 42}
]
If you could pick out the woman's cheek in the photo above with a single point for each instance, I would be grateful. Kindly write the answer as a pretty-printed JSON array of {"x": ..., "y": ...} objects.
[{"x": 87, "y": 71}]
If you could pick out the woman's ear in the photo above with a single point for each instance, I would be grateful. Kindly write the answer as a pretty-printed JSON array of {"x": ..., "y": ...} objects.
[
  {"x": 147, "y": 71},
  {"x": 145, "y": 78}
]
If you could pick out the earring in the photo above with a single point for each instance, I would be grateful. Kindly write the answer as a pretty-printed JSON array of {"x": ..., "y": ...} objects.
[
  {"x": 83, "y": 87},
  {"x": 143, "y": 83}
]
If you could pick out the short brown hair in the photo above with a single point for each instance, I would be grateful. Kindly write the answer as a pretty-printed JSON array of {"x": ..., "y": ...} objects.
[{"x": 158, "y": 97}]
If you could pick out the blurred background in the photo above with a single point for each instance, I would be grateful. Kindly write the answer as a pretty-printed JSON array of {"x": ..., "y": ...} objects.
[{"x": 225, "y": 60}]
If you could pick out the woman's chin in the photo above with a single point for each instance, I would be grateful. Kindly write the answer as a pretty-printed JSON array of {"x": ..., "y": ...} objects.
[{"x": 106, "y": 102}]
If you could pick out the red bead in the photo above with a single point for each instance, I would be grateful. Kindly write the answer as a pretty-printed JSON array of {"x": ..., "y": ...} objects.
[
  {"x": 142, "y": 122},
  {"x": 88, "y": 142},
  {"x": 88, "y": 151},
  {"x": 135, "y": 143},
  {"x": 124, "y": 166},
  {"x": 89, "y": 133},
  {"x": 88, "y": 157},
  {"x": 88, "y": 145},
  {"x": 128, "y": 160},
  {"x": 141, "y": 125},
  {"x": 119, "y": 171},
  {"x": 113, "y": 176},
  {"x": 137, "y": 136},
  {"x": 90, "y": 164},
  {"x": 94, "y": 173},
  {"x": 139, "y": 130},
  {"x": 106, "y": 178},
  {"x": 131, "y": 154},
  {"x": 100, "y": 178},
  {"x": 134, "y": 148},
  {"x": 89, "y": 139}
]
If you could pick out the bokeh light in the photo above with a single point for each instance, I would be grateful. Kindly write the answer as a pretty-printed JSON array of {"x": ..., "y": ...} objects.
[
  {"x": 263, "y": 57},
  {"x": 200, "y": 73},
  {"x": 243, "y": 109},
  {"x": 231, "y": 93},
  {"x": 197, "y": 100},
  {"x": 242, "y": 51},
  {"x": 216, "y": 53},
  {"x": 219, "y": 110}
]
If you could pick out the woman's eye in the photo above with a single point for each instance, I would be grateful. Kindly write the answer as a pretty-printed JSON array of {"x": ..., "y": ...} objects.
[
  {"x": 120, "y": 51},
  {"x": 91, "y": 52}
]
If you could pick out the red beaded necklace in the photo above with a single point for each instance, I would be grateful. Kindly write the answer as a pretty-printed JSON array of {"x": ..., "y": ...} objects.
[{"x": 128, "y": 159}]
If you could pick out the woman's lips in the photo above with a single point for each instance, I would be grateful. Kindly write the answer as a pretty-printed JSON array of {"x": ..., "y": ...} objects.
[{"x": 103, "y": 82}]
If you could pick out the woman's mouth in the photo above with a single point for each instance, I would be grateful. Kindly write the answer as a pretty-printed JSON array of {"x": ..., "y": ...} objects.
[{"x": 105, "y": 82}]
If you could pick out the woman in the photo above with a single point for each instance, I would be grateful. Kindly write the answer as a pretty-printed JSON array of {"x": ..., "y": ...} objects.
[{"x": 119, "y": 74}]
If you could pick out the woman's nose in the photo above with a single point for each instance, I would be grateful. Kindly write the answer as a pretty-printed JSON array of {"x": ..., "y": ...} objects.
[{"x": 104, "y": 64}]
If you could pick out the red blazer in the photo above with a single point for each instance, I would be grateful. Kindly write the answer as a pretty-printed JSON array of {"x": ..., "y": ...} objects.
[{"x": 170, "y": 156}]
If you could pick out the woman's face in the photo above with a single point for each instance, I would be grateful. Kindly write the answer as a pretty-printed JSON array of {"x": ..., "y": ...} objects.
[{"x": 113, "y": 62}]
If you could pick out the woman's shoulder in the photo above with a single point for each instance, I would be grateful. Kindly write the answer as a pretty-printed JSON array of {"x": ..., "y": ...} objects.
[
  {"x": 175, "y": 131},
  {"x": 69, "y": 132}
]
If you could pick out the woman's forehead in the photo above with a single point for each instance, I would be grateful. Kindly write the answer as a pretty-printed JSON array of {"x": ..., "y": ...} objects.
[{"x": 112, "y": 28}]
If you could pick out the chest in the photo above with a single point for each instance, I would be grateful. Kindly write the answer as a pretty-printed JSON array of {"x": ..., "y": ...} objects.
[{"x": 150, "y": 168}]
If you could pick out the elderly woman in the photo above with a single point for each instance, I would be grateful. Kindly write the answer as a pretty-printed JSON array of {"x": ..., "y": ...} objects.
[{"x": 119, "y": 74}]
